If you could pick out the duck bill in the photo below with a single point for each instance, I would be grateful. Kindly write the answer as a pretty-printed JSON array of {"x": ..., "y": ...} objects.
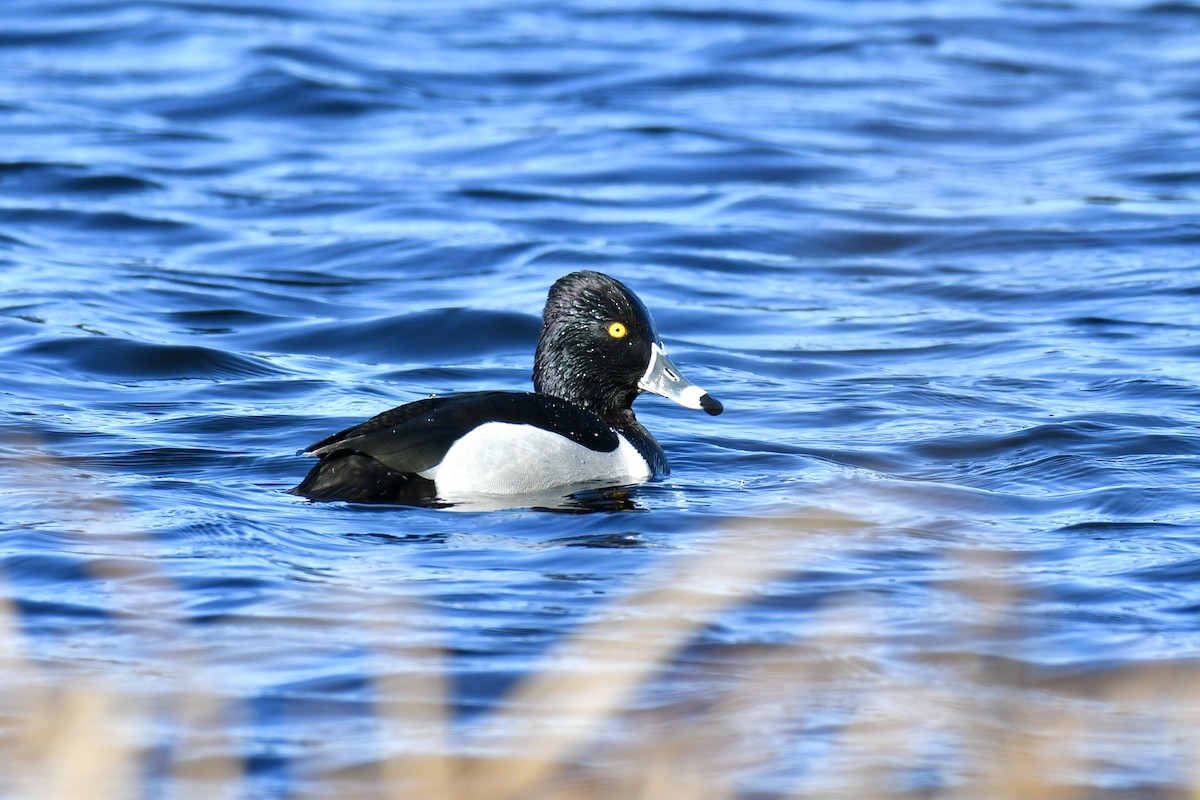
[{"x": 663, "y": 378}]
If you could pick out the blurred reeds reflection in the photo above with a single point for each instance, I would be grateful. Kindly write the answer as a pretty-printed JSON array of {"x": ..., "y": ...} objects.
[{"x": 656, "y": 696}]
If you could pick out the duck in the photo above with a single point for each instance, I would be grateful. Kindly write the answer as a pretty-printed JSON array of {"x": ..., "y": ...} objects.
[{"x": 598, "y": 350}]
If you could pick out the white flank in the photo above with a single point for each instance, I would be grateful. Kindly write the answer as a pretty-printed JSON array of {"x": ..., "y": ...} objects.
[{"x": 504, "y": 458}]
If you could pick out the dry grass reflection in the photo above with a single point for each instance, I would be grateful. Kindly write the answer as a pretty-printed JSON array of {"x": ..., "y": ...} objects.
[{"x": 656, "y": 697}]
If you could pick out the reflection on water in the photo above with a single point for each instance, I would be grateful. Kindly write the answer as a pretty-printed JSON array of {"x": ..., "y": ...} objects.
[{"x": 579, "y": 501}]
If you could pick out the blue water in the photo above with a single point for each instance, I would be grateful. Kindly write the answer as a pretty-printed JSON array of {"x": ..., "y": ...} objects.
[{"x": 938, "y": 260}]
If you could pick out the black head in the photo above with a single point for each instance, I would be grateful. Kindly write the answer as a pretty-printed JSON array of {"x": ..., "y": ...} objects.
[{"x": 599, "y": 350}]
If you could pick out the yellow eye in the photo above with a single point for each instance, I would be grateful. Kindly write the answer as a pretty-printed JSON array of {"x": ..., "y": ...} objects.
[{"x": 616, "y": 330}]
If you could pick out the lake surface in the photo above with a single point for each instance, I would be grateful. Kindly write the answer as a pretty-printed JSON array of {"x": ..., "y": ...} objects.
[{"x": 938, "y": 260}]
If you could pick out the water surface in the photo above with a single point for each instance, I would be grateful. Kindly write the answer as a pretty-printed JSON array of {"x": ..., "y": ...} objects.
[{"x": 938, "y": 260}]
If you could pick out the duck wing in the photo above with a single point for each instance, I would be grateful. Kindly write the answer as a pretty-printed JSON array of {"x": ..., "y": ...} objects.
[
  {"x": 388, "y": 419},
  {"x": 415, "y": 437}
]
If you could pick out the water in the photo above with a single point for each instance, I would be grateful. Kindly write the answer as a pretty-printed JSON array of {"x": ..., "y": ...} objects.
[{"x": 937, "y": 259}]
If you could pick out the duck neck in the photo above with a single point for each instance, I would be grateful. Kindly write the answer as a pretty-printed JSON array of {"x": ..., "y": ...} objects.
[{"x": 559, "y": 380}]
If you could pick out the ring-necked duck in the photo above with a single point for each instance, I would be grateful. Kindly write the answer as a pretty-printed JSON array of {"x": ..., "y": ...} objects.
[{"x": 598, "y": 350}]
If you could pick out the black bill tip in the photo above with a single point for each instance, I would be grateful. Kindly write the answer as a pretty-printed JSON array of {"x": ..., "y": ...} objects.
[{"x": 711, "y": 404}]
